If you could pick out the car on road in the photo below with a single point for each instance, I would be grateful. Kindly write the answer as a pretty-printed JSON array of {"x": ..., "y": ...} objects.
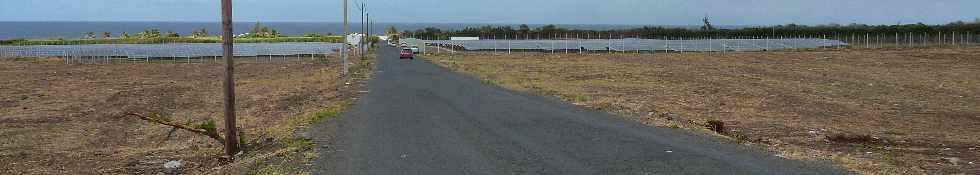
[{"x": 406, "y": 53}]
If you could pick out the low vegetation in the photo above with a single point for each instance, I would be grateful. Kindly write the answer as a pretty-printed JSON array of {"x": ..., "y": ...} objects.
[
  {"x": 971, "y": 28},
  {"x": 874, "y": 111}
]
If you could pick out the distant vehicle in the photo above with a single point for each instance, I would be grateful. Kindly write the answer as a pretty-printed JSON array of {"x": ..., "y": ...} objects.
[
  {"x": 407, "y": 53},
  {"x": 415, "y": 49}
]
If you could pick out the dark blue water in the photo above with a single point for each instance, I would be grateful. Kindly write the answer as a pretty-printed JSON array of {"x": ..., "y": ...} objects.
[{"x": 75, "y": 30}]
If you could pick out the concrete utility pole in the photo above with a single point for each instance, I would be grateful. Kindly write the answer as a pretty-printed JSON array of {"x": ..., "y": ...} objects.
[
  {"x": 367, "y": 30},
  {"x": 231, "y": 129},
  {"x": 343, "y": 49},
  {"x": 363, "y": 8}
]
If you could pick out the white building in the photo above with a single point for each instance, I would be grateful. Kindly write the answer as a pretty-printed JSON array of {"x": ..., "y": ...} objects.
[
  {"x": 354, "y": 39},
  {"x": 464, "y": 38}
]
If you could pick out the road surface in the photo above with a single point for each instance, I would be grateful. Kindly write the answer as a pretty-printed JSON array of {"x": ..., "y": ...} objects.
[{"x": 418, "y": 118}]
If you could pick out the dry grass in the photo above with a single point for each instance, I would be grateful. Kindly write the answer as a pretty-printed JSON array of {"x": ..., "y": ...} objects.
[
  {"x": 68, "y": 119},
  {"x": 875, "y": 111}
]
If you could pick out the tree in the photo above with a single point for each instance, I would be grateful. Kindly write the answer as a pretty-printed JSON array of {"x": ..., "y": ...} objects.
[
  {"x": 200, "y": 33},
  {"x": 274, "y": 33},
  {"x": 257, "y": 28},
  {"x": 149, "y": 33},
  {"x": 124, "y": 35},
  {"x": 392, "y": 33},
  {"x": 524, "y": 29},
  {"x": 707, "y": 25},
  {"x": 391, "y": 30},
  {"x": 90, "y": 35},
  {"x": 264, "y": 32},
  {"x": 106, "y": 35},
  {"x": 173, "y": 35}
]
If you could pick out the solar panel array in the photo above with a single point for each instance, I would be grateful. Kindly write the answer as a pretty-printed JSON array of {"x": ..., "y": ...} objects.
[
  {"x": 177, "y": 50},
  {"x": 643, "y": 44}
]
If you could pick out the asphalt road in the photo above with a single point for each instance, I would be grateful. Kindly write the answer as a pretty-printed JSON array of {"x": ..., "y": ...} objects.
[{"x": 419, "y": 118}]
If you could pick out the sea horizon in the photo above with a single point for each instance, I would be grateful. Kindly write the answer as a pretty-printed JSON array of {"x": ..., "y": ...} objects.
[{"x": 78, "y": 29}]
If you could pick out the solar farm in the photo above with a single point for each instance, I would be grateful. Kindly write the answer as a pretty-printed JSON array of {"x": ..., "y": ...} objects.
[
  {"x": 169, "y": 51},
  {"x": 643, "y": 45}
]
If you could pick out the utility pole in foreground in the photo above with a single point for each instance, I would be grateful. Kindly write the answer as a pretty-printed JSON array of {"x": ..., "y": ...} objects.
[{"x": 231, "y": 129}]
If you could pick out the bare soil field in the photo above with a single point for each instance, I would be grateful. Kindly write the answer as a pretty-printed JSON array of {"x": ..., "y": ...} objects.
[
  {"x": 873, "y": 111},
  {"x": 57, "y": 118}
]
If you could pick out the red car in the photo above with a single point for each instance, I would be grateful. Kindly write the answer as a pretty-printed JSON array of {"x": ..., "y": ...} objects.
[{"x": 407, "y": 53}]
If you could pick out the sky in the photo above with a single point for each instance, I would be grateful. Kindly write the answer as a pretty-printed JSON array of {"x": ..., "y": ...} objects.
[{"x": 630, "y": 12}]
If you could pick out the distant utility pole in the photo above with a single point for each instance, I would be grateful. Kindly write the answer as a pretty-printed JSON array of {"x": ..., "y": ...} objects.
[
  {"x": 231, "y": 129},
  {"x": 343, "y": 50},
  {"x": 363, "y": 8},
  {"x": 368, "y": 30}
]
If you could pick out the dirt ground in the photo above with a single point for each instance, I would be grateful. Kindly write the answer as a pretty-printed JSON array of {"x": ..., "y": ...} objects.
[
  {"x": 57, "y": 118},
  {"x": 874, "y": 111}
]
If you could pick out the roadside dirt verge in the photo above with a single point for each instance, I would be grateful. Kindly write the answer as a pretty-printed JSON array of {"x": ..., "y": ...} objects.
[{"x": 70, "y": 119}]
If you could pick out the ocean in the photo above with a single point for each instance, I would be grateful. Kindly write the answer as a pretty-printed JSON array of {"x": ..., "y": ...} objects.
[{"x": 75, "y": 30}]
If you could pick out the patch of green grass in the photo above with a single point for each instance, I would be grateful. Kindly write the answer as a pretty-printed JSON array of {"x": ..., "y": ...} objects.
[
  {"x": 287, "y": 128},
  {"x": 325, "y": 114},
  {"x": 292, "y": 161},
  {"x": 297, "y": 143},
  {"x": 739, "y": 137}
]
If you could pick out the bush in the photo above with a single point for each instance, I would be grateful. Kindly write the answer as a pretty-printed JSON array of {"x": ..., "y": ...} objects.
[{"x": 12, "y": 41}]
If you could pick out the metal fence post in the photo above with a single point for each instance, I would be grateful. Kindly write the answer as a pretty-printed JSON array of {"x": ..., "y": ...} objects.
[{"x": 508, "y": 45}]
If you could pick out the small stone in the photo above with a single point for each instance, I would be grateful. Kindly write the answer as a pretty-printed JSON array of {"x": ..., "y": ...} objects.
[
  {"x": 173, "y": 164},
  {"x": 952, "y": 160}
]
